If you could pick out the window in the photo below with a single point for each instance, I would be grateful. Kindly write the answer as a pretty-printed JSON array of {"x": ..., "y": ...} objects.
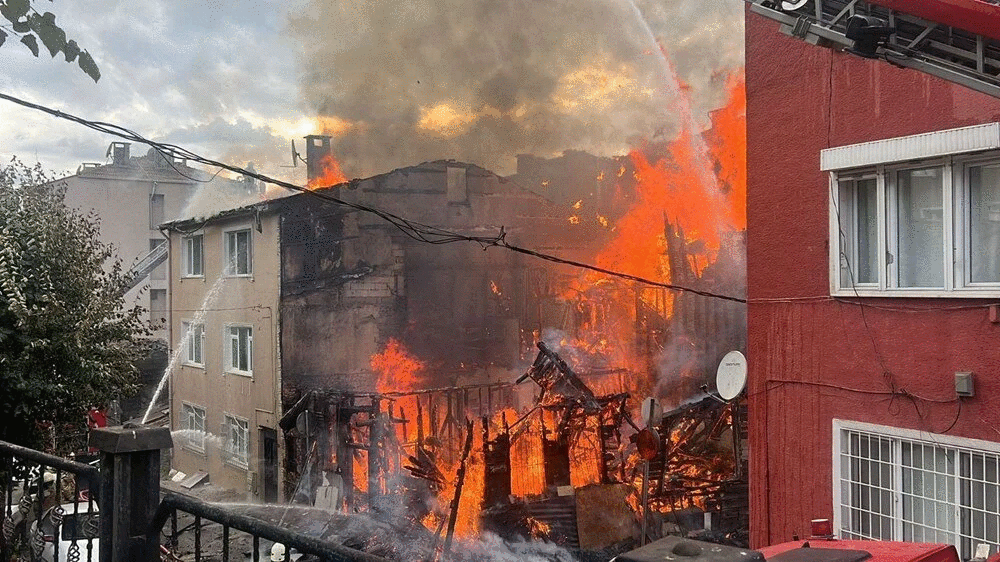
[
  {"x": 237, "y": 441},
  {"x": 984, "y": 223},
  {"x": 157, "y": 308},
  {"x": 193, "y": 423},
  {"x": 193, "y": 255},
  {"x": 239, "y": 253},
  {"x": 194, "y": 343},
  {"x": 159, "y": 272},
  {"x": 910, "y": 226},
  {"x": 155, "y": 211},
  {"x": 239, "y": 349},
  {"x": 895, "y": 484}
]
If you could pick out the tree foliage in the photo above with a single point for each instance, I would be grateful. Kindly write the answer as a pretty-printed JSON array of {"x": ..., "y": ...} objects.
[
  {"x": 31, "y": 26},
  {"x": 67, "y": 340}
]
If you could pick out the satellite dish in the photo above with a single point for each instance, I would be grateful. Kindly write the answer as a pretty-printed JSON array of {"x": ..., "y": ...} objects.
[
  {"x": 731, "y": 378},
  {"x": 647, "y": 442},
  {"x": 295, "y": 157},
  {"x": 791, "y": 6},
  {"x": 651, "y": 411}
]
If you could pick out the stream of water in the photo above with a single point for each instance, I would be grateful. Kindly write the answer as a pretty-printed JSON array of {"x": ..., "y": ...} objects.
[{"x": 175, "y": 358}]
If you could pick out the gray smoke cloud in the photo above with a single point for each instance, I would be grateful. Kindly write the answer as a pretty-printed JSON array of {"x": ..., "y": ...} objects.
[{"x": 477, "y": 80}]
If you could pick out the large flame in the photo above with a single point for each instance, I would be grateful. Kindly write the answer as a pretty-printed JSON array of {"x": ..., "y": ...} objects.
[
  {"x": 331, "y": 175},
  {"x": 397, "y": 369},
  {"x": 696, "y": 182}
]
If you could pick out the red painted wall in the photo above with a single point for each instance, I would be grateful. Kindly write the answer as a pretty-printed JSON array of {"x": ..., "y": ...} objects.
[{"x": 806, "y": 349}]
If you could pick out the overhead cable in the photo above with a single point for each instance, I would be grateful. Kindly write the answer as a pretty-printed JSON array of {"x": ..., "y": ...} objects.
[{"x": 415, "y": 230}]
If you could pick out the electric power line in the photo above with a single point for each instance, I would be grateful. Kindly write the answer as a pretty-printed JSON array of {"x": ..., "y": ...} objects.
[{"x": 415, "y": 230}]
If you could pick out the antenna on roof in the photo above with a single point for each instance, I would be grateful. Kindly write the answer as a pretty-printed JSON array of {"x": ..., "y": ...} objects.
[{"x": 295, "y": 157}]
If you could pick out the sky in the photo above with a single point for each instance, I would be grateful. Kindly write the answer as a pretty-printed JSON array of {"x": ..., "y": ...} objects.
[{"x": 396, "y": 82}]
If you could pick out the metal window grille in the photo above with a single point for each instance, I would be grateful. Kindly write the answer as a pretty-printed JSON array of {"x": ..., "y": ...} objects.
[
  {"x": 238, "y": 444},
  {"x": 912, "y": 490}
]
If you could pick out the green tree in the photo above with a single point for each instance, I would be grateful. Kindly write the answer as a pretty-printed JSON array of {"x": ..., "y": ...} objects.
[
  {"x": 67, "y": 340},
  {"x": 31, "y": 26}
]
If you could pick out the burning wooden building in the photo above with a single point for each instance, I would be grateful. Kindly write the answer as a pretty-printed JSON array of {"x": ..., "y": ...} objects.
[{"x": 363, "y": 364}]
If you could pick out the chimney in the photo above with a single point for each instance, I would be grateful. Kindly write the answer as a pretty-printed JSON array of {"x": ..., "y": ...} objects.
[
  {"x": 317, "y": 146},
  {"x": 119, "y": 152}
]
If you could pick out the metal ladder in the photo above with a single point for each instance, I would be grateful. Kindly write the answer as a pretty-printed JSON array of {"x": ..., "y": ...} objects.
[
  {"x": 146, "y": 265},
  {"x": 956, "y": 55}
]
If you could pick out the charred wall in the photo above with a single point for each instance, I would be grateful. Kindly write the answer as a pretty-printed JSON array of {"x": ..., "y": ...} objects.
[{"x": 351, "y": 281}]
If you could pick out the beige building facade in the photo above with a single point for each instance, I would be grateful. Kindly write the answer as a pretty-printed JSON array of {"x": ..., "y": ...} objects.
[
  {"x": 133, "y": 196},
  {"x": 225, "y": 373}
]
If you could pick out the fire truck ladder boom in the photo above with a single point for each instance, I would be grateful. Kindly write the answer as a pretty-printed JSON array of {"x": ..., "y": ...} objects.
[
  {"x": 146, "y": 265},
  {"x": 933, "y": 47}
]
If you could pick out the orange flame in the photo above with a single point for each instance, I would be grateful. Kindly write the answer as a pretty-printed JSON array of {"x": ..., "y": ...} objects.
[
  {"x": 397, "y": 369},
  {"x": 675, "y": 182},
  {"x": 332, "y": 175}
]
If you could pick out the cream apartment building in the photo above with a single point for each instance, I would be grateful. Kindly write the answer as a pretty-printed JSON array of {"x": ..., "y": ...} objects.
[{"x": 224, "y": 282}]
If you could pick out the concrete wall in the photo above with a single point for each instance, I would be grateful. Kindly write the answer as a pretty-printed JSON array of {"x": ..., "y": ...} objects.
[
  {"x": 812, "y": 358},
  {"x": 122, "y": 200},
  {"x": 244, "y": 300}
]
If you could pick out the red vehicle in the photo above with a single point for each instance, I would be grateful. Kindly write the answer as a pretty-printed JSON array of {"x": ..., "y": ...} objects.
[
  {"x": 814, "y": 549},
  {"x": 835, "y": 550}
]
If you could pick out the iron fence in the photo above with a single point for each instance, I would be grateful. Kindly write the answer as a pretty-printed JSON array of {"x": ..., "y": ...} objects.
[
  {"x": 49, "y": 510},
  {"x": 52, "y": 513},
  {"x": 252, "y": 528}
]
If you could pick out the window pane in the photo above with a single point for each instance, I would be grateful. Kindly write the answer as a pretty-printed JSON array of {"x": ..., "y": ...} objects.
[
  {"x": 239, "y": 252},
  {"x": 242, "y": 253},
  {"x": 920, "y": 228},
  {"x": 199, "y": 338},
  {"x": 196, "y": 259},
  {"x": 870, "y": 487},
  {"x": 858, "y": 215},
  {"x": 234, "y": 352},
  {"x": 984, "y": 223},
  {"x": 244, "y": 359}
]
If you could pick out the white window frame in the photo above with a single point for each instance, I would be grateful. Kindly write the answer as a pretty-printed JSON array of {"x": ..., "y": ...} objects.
[
  {"x": 187, "y": 262},
  {"x": 232, "y": 332},
  {"x": 235, "y": 454},
  {"x": 963, "y": 247},
  {"x": 229, "y": 251},
  {"x": 959, "y": 446},
  {"x": 191, "y": 412},
  {"x": 193, "y": 342},
  {"x": 957, "y": 235}
]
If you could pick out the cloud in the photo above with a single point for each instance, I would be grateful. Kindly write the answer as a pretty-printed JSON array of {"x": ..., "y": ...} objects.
[{"x": 167, "y": 68}]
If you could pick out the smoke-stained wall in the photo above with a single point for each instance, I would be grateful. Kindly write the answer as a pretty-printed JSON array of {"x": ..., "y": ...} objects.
[{"x": 350, "y": 281}]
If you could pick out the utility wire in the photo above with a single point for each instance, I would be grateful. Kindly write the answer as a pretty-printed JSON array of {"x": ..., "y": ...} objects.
[{"x": 415, "y": 230}]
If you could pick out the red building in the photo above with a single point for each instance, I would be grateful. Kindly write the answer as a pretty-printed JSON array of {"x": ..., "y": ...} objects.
[{"x": 874, "y": 289}]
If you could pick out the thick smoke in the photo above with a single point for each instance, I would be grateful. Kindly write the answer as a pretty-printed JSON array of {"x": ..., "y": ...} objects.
[{"x": 400, "y": 82}]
